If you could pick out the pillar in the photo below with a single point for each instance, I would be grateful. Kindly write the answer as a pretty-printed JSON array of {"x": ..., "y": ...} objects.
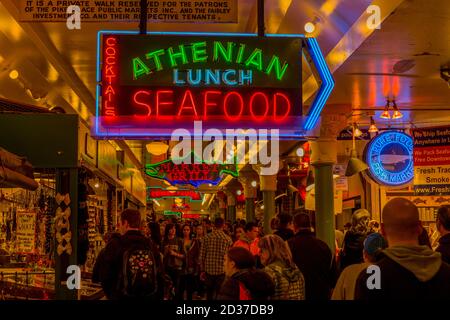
[
  {"x": 250, "y": 197},
  {"x": 222, "y": 208},
  {"x": 231, "y": 207},
  {"x": 268, "y": 188},
  {"x": 323, "y": 157}
]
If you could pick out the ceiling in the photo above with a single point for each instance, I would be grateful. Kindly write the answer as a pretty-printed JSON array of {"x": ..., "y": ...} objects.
[{"x": 57, "y": 66}]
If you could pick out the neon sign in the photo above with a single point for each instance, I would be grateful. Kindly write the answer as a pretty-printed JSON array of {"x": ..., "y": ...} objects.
[
  {"x": 197, "y": 52},
  {"x": 110, "y": 75},
  {"x": 390, "y": 158},
  {"x": 191, "y": 215},
  {"x": 167, "y": 82},
  {"x": 172, "y": 213},
  {"x": 159, "y": 193},
  {"x": 184, "y": 171},
  {"x": 149, "y": 85}
]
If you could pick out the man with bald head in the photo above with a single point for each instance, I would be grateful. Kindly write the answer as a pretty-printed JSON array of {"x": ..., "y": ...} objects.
[{"x": 407, "y": 269}]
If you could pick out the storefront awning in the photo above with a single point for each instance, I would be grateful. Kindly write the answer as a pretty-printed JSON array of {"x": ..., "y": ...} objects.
[{"x": 16, "y": 172}]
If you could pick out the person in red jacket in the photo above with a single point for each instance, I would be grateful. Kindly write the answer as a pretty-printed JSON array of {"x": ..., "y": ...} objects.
[{"x": 249, "y": 240}]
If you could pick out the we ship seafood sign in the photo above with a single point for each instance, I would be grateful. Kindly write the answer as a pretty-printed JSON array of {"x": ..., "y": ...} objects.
[
  {"x": 177, "y": 11},
  {"x": 431, "y": 161}
]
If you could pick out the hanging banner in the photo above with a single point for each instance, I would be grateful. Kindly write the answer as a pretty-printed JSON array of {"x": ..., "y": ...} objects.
[
  {"x": 177, "y": 11},
  {"x": 25, "y": 232},
  {"x": 432, "y": 161}
]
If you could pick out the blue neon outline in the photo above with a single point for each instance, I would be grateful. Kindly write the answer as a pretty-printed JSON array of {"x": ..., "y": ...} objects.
[
  {"x": 97, "y": 97},
  {"x": 325, "y": 89},
  {"x": 316, "y": 108},
  {"x": 409, "y": 168},
  {"x": 326, "y": 86}
]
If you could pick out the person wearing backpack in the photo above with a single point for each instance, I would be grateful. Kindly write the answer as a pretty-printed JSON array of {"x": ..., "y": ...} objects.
[
  {"x": 130, "y": 266},
  {"x": 243, "y": 281},
  {"x": 277, "y": 259}
]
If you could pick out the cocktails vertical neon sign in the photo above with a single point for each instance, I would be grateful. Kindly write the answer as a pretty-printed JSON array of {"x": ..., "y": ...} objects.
[{"x": 110, "y": 74}]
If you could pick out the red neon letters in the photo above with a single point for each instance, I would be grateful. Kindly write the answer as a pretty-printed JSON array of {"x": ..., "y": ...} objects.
[
  {"x": 190, "y": 172},
  {"x": 204, "y": 104},
  {"x": 110, "y": 74},
  {"x": 160, "y": 193}
]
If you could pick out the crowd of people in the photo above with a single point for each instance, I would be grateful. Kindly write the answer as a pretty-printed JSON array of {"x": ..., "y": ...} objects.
[{"x": 221, "y": 260}]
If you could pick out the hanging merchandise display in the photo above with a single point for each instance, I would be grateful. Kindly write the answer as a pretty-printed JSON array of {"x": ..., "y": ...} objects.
[
  {"x": 62, "y": 225},
  {"x": 83, "y": 240}
]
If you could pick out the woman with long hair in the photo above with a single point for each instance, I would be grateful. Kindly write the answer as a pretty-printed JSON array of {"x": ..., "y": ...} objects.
[
  {"x": 191, "y": 249},
  {"x": 242, "y": 280},
  {"x": 277, "y": 259},
  {"x": 173, "y": 251}
]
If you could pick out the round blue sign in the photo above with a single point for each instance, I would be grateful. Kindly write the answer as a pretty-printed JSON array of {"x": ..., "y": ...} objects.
[{"x": 390, "y": 158}]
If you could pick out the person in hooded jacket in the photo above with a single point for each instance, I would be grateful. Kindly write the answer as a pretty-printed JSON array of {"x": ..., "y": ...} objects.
[
  {"x": 277, "y": 259},
  {"x": 243, "y": 281},
  {"x": 352, "y": 251},
  {"x": 443, "y": 226},
  {"x": 408, "y": 271}
]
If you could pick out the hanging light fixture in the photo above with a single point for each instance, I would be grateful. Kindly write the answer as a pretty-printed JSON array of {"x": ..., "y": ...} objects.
[
  {"x": 310, "y": 27},
  {"x": 386, "y": 114},
  {"x": 373, "y": 128},
  {"x": 356, "y": 131},
  {"x": 14, "y": 74},
  {"x": 355, "y": 165},
  {"x": 397, "y": 114},
  {"x": 157, "y": 148}
]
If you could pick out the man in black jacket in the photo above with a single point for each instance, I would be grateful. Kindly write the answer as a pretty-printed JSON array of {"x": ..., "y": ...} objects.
[
  {"x": 443, "y": 226},
  {"x": 407, "y": 271},
  {"x": 314, "y": 259},
  {"x": 109, "y": 265},
  {"x": 284, "y": 230}
]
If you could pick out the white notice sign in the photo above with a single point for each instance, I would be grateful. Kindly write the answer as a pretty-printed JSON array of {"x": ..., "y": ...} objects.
[{"x": 178, "y": 11}]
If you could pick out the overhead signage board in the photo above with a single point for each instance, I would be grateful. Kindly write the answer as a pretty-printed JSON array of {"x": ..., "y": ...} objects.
[
  {"x": 389, "y": 156},
  {"x": 151, "y": 85},
  {"x": 432, "y": 161},
  {"x": 190, "y": 171},
  {"x": 176, "y": 11}
]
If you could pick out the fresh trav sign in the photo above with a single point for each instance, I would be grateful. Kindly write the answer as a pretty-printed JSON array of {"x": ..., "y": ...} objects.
[
  {"x": 390, "y": 158},
  {"x": 432, "y": 161},
  {"x": 150, "y": 85}
]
